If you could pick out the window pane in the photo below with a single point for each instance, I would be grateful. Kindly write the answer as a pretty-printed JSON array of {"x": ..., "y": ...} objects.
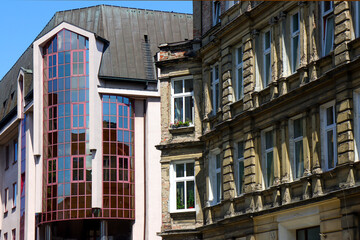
[
  {"x": 178, "y": 109},
  {"x": 180, "y": 195},
  {"x": 218, "y": 187},
  {"x": 298, "y": 129},
  {"x": 189, "y": 169},
  {"x": 329, "y": 35},
  {"x": 299, "y": 159},
  {"x": 240, "y": 150},
  {"x": 300, "y": 235},
  {"x": 188, "y": 85},
  {"x": 239, "y": 55},
  {"x": 190, "y": 194},
  {"x": 313, "y": 233},
  {"x": 267, "y": 40},
  {"x": 295, "y": 53},
  {"x": 295, "y": 22},
  {"x": 330, "y": 149},
  {"x": 267, "y": 69},
  {"x": 241, "y": 176},
  {"x": 188, "y": 108},
  {"x": 269, "y": 168},
  {"x": 218, "y": 162},
  {"x": 178, "y": 88},
  {"x": 216, "y": 72},
  {"x": 329, "y": 116},
  {"x": 180, "y": 170},
  {"x": 268, "y": 140},
  {"x": 216, "y": 104},
  {"x": 240, "y": 82}
]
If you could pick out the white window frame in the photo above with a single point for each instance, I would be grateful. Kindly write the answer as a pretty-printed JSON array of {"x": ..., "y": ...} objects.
[
  {"x": 214, "y": 81},
  {"x": 212, "y": 183},
  {"x": 266, "y": 51},
  {"x": 357, "y": 123},
  {"x": 239, "y": 65},
  {"x": 325, "y": 15},
  {"x": 238, "y": 160},
  {"x": 293, "y": 141},
  {"x": 324, "y": 129},
  {"x": 181, "y": 95},
  {"x": 174, "y": 180},
  {"x": 294, "y": 34},
  {"x": 216, "y": 10},
  {"x": 265, "y": 151}
]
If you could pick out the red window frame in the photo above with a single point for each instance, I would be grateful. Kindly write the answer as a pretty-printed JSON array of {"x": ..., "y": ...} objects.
[
  {"x": 54, "y": 117},
  {"x": 77, "y": 62},
  {"x": 78, "y": 168},
  {"x": 123, "y": 170},
  {"x": 78, "y": 116},
  {"x": 53, "y": 171}
]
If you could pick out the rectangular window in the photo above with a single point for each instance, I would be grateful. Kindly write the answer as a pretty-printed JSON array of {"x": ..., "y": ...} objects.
[
  {"x": 52, "y": 171},
  {"x": 7, "y": 157},
  {"x": 183, "y": 198},
  {"x": 297, "y": 148},
  {"x": 312, "y": 233},
  {"x": 239, "y": 73},
  {"x": 15, "y": 151},
  {"x": 240, "y": 167},
  {"x": 78, "y": 166},
  {"x": 182, "y": 99},
  {"x": 267, "y": 58},
  {"x": 13, "y": 233},
  {"x": 268, "y": 158},
  {"x": 215, "y": 87},
  {"x": 327, "y": 10},
  {"x": 216, "y": 12},
  {"x": 6, "y": 197},
  {"x": 218, "y": 178},
  {"x": 295, "y": 42},
  {"x": 328, "y": 134},
  {"x": 5, "y": 236},
  {"x": 14, "y": 196}
]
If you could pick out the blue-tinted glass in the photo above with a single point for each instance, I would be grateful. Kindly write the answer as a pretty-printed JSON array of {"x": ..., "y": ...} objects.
[
  {"x": 61, "y": 177},
  {"x": 67, "y": 123},
  {"x": 60, "y": 36},
  {"x": 55, "y": 85},
  {"x": 74, "y": 41},
  {"x": 74, "y": 82},
  {"x": 112, "y": 98},
  {"x": 54, "y": 60},
  {"x": 61, "y": 70},
  {"x": 61, "y": 84},
  {"x": 81, "y": 57},
  {"x": 61, "y": 150},
  {"x": 131, "y": 124},
  {"x": 67, "y": 83},
  {"x": 67, "y": 96},
  {"x": 55, "y": 45},
  {"x": 126, "y": 136},
  {"x": 75, "y": 109},
  {"x": 75, "y": 122},
  {"x": 67, "y": 40},
  {"x": 106, "y": 108},
  {"x": 50, "y": 72},
  {"x": 126, "y": 100},
  {"x": 50, "y": 48},
  {"x": 120, "y": 123},
  {"x": 61, "y": 163},
  {"x": 67, "y": 136},
  {"x": 81, "y": 121},
  {"x": 125, "y": 111},
  {"x": 61, "y": 186},
  {"x": 50, "y": 86},
  {"x": 112, "y": 109},
  {"x": 67, "y": 70},
  {"x": 87, "y": 79},
  {"x": 54, "y": 71},
  {"x": 87, "y": 121},
  {"x": 120, "y": 136},
  {"x": 125, "y": 122},
  {"x": 67, "y": 110},
  {"x": 81, "y": 82},
  {"x": 50, "y": 61},
  {"x": 74, "y": 96},
  {"x": 82, "y": 95},
  {"x": 67, "y": 149},
  {"x": 61, "y": 136},
  {"x": 81, "y": 109},
  {"x": 105, "y": 98},
  {"x": 61, "y": 57},
  {"x": 120, "y": 110},
  {"x": 61, "y": 123},
  {"x": 61, "y": 97},
  {"x": 87, "y": 107},
  {"x": 87, "y": 43},
  {"x": 81, "y": 42},
  {"x": 67, "y": 57},
  {"x": 67, "y": 162}
]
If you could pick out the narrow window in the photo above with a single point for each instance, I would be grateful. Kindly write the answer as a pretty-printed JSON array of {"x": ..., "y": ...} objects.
[
  {"x": 5, "y": 236},
  {"x": 327, "y": 26},
  {"x": 267, "y": 58},
  {"x": 216, "y": 12},
  {"x": 240, "y": 167},
  {"x": 239, "y": 73},
  {"x": 329, "y": 135},
  {"x": 15, "y": 151},
  {"x": 14, "y": 195},
  {"x": 357, "y": 18},
  {"x": 295, "y": 42},
  {"x": 51, "y": 171},
  {"x": 182, "y": 94},
  {"x": 7, "y": 157},
  {"x": 13, "y": 233},
  {"x": 215, "y": 86},
  {"x": 6, "y": 197},
  {"x": 298, "y": 148},
  {"x": 185, "y": 186},
  {"x": 268, "y": 164},
  {"x": 218, "y": 178},
  {"x": 78, "y": 172}
]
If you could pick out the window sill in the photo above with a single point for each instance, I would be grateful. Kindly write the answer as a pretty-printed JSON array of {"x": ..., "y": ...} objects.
[
  {"x": 183, "y": 214},
  {"x": 181, "y": 130}
]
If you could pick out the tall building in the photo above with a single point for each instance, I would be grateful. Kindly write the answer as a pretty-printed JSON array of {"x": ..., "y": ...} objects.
[
  {"x": 79, "y": 121},
  {"x": 260, "y": 122}
]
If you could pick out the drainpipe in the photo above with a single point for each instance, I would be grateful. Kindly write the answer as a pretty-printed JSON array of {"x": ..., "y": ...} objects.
[{"x": 145, "y": 185}]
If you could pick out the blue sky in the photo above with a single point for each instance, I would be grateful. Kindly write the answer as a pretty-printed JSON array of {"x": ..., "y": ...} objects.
[{"x": 22, "y": 20}]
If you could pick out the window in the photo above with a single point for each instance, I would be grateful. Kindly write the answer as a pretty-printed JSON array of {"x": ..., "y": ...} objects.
[
  {"x": 14, "y": 196},
  {"x": 6, "y": 197},
  {"x": 240, "y": 176},
  {"x": 239, "y": 73},
  {"x": 52, "y": 171},
  {"x": 78, "y": 168},
  {"x": 229, "y": 4},
  {"x": 328, "y": 135},
  {"x": 218, "y": 178},
  {"x": 182, "y": 100},
  {"x": 267, "y": 58},
  {"x": 327, "y": 26},
  {"x": 7, "y": 157},
  {"x": 357, "y": 18},
  {"x": 216, "y": 12},
  {"x": 295, "y": 42},
  {"x": 296, "y": 144},
  {"x": 312, "y": 233},
  {"x": 13, "y": 233},
  {"x": 5, "y": 236},
  {"x": 268, "y": 158},
  {"x": 215, "y": 88},
  {"x": 15, "y": 151},
  {"x": 215, "y": 178},
  {"x": 182, "y": 196}
]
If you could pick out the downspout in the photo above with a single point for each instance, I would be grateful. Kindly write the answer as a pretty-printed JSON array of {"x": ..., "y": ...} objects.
[{"x": 145, "y": 197}]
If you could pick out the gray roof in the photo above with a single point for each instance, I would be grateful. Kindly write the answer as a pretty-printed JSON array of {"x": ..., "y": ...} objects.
[{"x": 129, "y": 56}]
